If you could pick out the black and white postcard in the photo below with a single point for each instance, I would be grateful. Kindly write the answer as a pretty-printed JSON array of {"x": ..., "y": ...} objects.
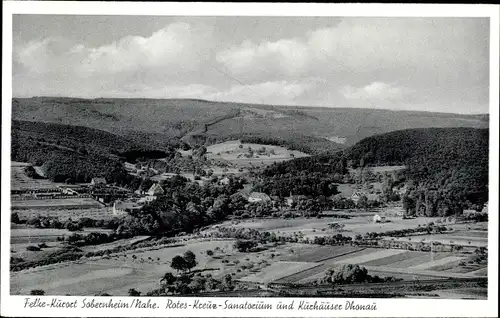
[{"x": 251, "y": 160}]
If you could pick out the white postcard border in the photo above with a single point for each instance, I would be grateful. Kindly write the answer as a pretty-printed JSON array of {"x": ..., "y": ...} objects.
[{"x": 14, "y": 305}]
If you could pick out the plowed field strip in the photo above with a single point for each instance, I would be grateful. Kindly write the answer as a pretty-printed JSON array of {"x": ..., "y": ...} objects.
[
  {"x": 439, "y": 262},
  {"x": 364, "y": 258}
]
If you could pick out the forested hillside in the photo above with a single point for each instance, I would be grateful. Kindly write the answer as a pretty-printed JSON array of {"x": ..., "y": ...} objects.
[
  {"x": 77, "y": 154},
  {"x": 446, "y": 168}
]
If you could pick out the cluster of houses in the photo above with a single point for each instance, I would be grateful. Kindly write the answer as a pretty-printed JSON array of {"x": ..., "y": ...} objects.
[{"x": 120, "y": 207}]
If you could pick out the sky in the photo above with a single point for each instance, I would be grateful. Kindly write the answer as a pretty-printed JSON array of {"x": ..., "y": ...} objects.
[{"x": 429, "y": 64}]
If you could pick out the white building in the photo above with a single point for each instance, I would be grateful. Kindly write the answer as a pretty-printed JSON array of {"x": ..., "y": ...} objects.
[
  {"x": 258, "y": 197},
  {"x": 377, "y": 218},
  {"x": 98, "y": 181},
  {"x": 147, "y": 199}
]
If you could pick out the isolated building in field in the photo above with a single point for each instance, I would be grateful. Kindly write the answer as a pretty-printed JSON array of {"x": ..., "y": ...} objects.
[
  {"x": 377, "y": 218},
  {"x": 155, "y": 190},
  {"x": 98, "y": 181},
  {"x": 258, "y": 197}
]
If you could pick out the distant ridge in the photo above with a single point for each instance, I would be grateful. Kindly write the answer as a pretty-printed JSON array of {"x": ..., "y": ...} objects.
[
  {"x": 311, "y": 129},
  {"x": 246, "y": 104}
]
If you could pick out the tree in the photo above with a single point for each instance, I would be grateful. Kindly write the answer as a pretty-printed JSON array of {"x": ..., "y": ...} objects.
[
  {"x": 227, "y": 283},
  {"x": 190, "y": 260},
  {"x": 197, "y": 284},
  {"x": 244, "y": 245},
  {"x": 347, "y": 273},
  {"x": 178, "y": 263},
  {"x": 408, "y": 204},
  {"x": 362, "y": 202},
  {"x": 182, "y": 284},
  {"x": 14, "y": 218},
  {"x": 168, "y": 279},
  {"x": 209, "y": 253},
  {"x": 133, "y": 292},
  {"x": 37, "y": 292}
]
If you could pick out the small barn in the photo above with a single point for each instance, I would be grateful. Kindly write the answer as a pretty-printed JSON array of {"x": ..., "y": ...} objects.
[
  {"x": 377, "y": 218},
  {"x": 155, "y": 190}
]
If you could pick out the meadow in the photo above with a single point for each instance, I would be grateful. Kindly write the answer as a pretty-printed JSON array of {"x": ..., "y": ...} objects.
[
  {"x": 234, "y": 152},
  {"x": 66, "y": 203},
  {"x": 359, "y": 223},
  {"x": 75, "y": 213},
  {"x": 19, "y": 179}
]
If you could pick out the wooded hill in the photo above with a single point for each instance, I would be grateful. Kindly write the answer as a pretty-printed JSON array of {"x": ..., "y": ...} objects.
[
  {"x": 447, "y": 168},
  {"x": 77, "y": 154}
]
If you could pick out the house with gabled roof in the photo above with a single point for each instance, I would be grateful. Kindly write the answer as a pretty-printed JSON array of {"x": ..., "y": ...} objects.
[
  {"x": 155, "y": 190},
  {"x": 356, "y": 196}
]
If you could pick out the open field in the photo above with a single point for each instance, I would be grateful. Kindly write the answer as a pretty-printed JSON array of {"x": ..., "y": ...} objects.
[
  {"x": 231, "y": 152},
  {"x": 76, "y": 203},
  {"x": 464, "y": 293},
  {"x": 319, "y": 227},
  {"x": 19, "y": 179},
  {"x": 322, "y": 253},
  {"x": 402, "y": 264},
  {"x": 476, "y": 239},
  {"x": 281, "y": 263},
  {"x": 114, "y": 275},
  {"x": 19, "y": 250},
  {"x": 123, "y": 242},
  {"x": 22, "y": 237},
  {"x": 288, "y": 263},
  {"x": 65, "y": 214},
  {"x": 278, "y": 270},
  {"x": 33, "y": 235}
]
